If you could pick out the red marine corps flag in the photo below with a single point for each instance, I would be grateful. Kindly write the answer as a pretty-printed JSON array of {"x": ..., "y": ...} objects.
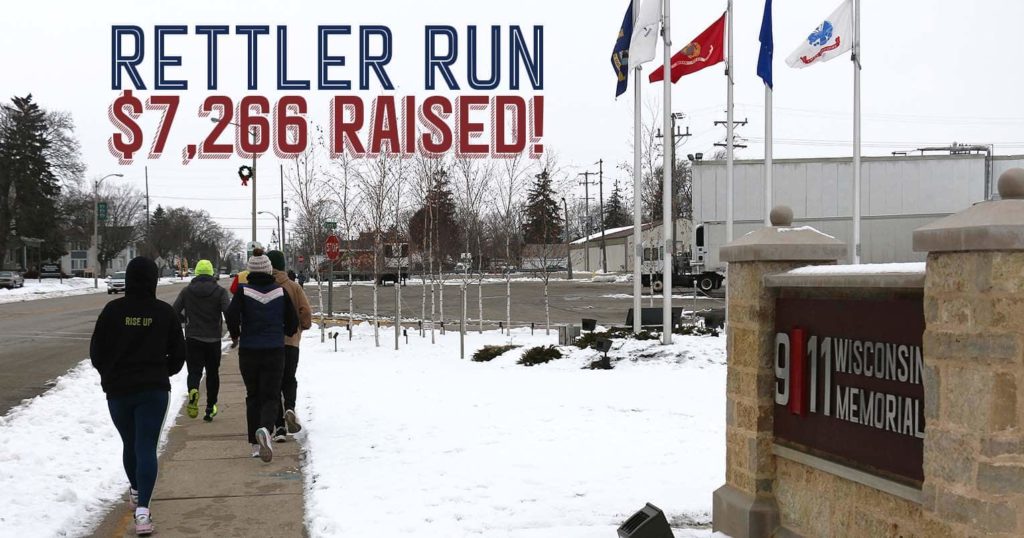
[{"x": 705, "y": 50}]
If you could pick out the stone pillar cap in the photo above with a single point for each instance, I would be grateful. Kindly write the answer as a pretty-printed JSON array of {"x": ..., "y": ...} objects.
[
  {"x": 992, "y": 225},
  {"x": 783, "y": 242}
]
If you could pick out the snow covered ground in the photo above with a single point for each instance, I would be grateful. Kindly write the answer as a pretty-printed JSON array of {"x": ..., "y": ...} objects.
[
  {"x": 424, "y": 444},
  {"x": 49, "y": 288},
  {"x": 60, "y": 457}
]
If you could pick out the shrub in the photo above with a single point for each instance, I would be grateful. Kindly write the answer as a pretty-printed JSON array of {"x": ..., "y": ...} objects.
[
  {"x": 487, "y": 353},
  {"x": 696, "y": 330},
  {"x": 540, "y": 355},
  {"x": 587, "y": 340}
]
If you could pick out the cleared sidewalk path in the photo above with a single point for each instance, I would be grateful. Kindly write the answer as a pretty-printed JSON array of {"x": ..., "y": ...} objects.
[{"x": 210, "y": 486}]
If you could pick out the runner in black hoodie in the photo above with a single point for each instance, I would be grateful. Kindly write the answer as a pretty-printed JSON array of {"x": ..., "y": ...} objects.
[{"x": 136, "y": 346}]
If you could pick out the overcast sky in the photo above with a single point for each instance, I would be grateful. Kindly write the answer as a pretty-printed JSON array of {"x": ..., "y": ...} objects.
[{"x": 934, "y": 72}]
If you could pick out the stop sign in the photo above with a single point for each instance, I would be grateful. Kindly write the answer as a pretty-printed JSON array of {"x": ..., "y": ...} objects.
[{"x": 333, "y": 247}]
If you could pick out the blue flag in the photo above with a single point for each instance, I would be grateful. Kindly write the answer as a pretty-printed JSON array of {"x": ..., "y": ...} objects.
[
  {"x": 620, "y": 54},
  {"x": 764, "y": 59}
]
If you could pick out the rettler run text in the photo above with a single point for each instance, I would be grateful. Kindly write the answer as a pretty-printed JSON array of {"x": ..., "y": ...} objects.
[{"x": 471, "y": 125}]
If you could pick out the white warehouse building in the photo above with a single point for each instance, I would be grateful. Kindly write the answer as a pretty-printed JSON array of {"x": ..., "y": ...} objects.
[{"x": 898, "y": 195}]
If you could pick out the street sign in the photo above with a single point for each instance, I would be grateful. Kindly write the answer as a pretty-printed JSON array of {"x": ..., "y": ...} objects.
[
  {"x": 333, "y": 247},
  {"x": 101, "y": 211},
  {"x": 330, "y": 225}
]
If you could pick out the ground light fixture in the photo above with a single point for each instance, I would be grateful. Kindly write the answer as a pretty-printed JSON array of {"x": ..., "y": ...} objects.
[{"x": 648, "y": 522}]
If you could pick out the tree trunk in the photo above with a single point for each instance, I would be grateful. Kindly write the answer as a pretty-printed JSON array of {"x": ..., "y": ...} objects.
[
  {"x": 480, "y": 299},
  {"x": 423, "y": 306},
  {"x": 376, "y": 332},
  {"x": 508, "y": 287},
  {"x": 547, "y": 310},
  {"x": 351, "y": 310}
]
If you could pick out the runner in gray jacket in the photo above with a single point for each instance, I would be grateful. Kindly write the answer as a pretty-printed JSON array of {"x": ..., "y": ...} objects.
[{"x": 201, "y": 307}]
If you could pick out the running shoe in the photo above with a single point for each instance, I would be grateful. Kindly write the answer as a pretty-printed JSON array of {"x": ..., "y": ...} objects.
[
  {"x": 266, "y": 450},
  {"x": 210, "y": 413},
  {"x": 143, "y": 525},
  {"x": 193, "y": 403},
  {"x": 255, "y": 451},
  {"x": 133, "y": 498},
  {"x": 280, "y": 434},
  {"x": 292, "y": 422}
]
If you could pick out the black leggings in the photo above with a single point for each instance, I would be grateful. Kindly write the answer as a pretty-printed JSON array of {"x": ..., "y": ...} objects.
[
  {"x": 261, "y": 371},
  {"x": 204, "y": 355},
  {"x": 139, "y": 418},
  {"x": 289, "y": 386}
]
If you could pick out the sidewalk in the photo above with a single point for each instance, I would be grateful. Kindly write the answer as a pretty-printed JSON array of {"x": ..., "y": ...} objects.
[{"x": 208, "y": 483}]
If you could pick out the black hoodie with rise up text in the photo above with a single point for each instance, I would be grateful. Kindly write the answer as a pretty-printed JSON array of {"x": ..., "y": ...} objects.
[{"x": 137, "y": 343}]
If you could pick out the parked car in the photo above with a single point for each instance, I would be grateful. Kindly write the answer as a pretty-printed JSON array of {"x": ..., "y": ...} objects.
[
  {"x": 115, "y": 283},
  {"x": 11, "y": 279}
]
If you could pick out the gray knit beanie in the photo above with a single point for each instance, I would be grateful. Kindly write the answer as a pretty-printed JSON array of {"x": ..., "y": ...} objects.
[{"x": 259, "y": 264}]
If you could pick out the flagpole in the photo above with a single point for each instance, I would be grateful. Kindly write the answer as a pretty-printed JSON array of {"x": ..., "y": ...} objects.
[
  {"x": 637, "y": 199},
  {"x": 767, "y": 155},
  {"x": 728, "y": 130},
  {"x": 855, "y": 248},
  {"x": 666, "y": 193}
]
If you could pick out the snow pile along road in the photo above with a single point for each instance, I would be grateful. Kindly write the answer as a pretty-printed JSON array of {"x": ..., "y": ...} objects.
[
  {"x": 423, "y": 444},
  {"x": 60, "y": 457},
  {"x": 50, "y": 288}
]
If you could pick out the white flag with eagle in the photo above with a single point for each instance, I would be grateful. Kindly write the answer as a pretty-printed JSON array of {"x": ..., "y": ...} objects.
[{"x": 831, "y": 38}]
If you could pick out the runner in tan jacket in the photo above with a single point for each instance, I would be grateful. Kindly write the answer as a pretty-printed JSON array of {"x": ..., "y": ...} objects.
[{"x": 287, "y": 422}]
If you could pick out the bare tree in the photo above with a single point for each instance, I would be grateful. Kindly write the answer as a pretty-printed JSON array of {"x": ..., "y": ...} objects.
[
  {"x": 343, "y": 174},
  {"x": 377, "y": 182},
  {"x": 474, "y": 178},
  {"x": 310, "y": 194},
  {"x": 126, "y": 214},
  {"x": 508, "y": 206}
]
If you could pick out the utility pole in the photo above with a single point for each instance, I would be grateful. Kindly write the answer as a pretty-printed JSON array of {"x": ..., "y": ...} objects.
[
  {"x": 677, "y": 136},
  {"x": 282, "y": 213},
  {"x": 600, "y": 189},
  {"x": 147, "y": 200},
  {"x": 568, "y": 248},
  {"x": 586, "y": 233}
]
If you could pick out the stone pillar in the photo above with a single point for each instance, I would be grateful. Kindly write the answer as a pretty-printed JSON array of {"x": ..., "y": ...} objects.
[
  {"x": 745, "y": 506},
  {"x": 974, "y": 365}
]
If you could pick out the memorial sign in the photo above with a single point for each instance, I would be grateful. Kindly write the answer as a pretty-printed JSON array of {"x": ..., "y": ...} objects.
[{"x": 849, "y": 382}]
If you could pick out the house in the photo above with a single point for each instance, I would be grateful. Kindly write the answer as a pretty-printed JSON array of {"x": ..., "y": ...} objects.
[
  {"x": 619, "y": 246},
  {"x": 538, "y": 256}
]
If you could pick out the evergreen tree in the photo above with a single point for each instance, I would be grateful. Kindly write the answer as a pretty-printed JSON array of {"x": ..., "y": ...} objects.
[
  {"x": 543, "y": 224},
  {"x": 616, "y": 214},
  {"x": 28, "y": 186},
  {"x": 442, "y": 220}
]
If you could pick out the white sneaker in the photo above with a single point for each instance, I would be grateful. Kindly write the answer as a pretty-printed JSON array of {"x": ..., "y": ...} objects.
[
  {"x": 143, "y": 525},
  {"x": 266, "y": 450},
  {"x": 255, "y": 451},
  {"x": 133, "y": 498},
  {"x": 292, "y": 422}
]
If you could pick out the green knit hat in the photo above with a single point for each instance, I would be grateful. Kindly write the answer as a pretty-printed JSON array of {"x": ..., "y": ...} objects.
[
  {"x": 204, "y": 267},
  {"x": 276, "y": 259}
]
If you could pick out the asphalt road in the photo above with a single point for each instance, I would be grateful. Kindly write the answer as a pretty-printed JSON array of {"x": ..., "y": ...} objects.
[
  {"x": 40, "y": 340},
  {"x": 570, "y": 301}
]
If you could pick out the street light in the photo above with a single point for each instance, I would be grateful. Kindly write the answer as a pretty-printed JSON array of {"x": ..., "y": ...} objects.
[
  {"x": 252, "y": 131},
  {"x": 277, "y": 220},
  {"x": 568, "y": 249},
  {"x": 96, "y": 225}
]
